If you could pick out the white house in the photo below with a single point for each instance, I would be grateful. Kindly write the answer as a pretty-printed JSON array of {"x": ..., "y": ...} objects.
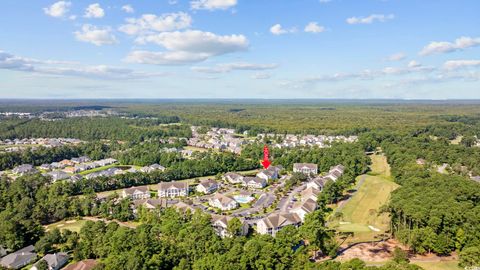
[
  {"x": 254, "y": 182},
  {"x": 317, "y": 183},
  {"x": 207, "y": 186},
  {"x": 220, "y": 225},
  {"x": 270, "y": 173},
  {"x": 233, "y": 178},
  {"x": 305, "y": 168},
  {"x": 304, "y": 208},
  {"x": 136, "y": 193},
  {"x": 54, "y": 261},
  {"x": 173, "y": 189},
  {"x": 222, "y": 202},
  {"x": 275, "y": 222}
]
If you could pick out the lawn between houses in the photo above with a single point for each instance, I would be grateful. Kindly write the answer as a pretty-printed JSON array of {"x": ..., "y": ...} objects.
[{"x": 360, "y": 214}]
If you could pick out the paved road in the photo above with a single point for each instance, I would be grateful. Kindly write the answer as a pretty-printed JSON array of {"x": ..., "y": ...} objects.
[{"x": 289, "y": 201}]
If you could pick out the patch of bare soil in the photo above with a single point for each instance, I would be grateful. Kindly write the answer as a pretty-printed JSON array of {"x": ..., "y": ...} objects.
[{"x": 371, "y": 252}]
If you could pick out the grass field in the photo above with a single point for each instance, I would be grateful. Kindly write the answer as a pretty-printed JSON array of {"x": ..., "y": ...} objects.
[
  {"x": 443, "y": 265},
  {"x": 72, "y": 225},
  {"x": 360, "y": 214}
]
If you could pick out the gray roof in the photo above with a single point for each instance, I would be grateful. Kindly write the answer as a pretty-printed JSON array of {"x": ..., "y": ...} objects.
[
  {"x": 56, "y": 260},
  {"x": 19, "y": 258}
]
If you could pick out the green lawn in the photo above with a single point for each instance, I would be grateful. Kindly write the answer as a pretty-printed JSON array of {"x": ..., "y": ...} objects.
[
  {"x": 445, "y": 265},
  {"x": 98, "y": 169},
  {"x": 72, "y": 225},
  {"x": 361, "y": 213}
]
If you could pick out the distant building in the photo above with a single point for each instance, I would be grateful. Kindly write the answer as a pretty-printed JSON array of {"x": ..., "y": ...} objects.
[
  {"x": 58, "y": 175},
  {"x": 207, "y": 186},
  {"x": 310, "y": 193},
  {"x": 275, "y": 222},
  {"x": 136, "y": 193},
  {"x": 233, "y": 178},
  {"x": 318, "y": 183},
  {"x": 173, "y": 189},
  {"x": 305, "y": 168},
  {"x": 24, "y": 169},
  {"x": 254, "y": 182},
  {"x": 222, "y": 202}
]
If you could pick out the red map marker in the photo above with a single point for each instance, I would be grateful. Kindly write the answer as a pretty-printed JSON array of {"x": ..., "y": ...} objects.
[{"x": 266, "y": 163}]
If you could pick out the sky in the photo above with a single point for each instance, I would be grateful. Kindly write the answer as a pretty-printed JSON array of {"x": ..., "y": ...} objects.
[{"x": 275, "y": 49}]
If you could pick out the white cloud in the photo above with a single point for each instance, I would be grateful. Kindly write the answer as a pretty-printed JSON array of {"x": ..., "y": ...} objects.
[
  {"x": 277, "y": 29},
  {"x": 212, "y": 4},
  {"x": 149, "y": 22},
  {"x": 396, "y": 57},
  {"x": 128, "y": 9},
  {"x": 62, "y": 68},
  {"x": 458, "y": 64},
  {"x": 96, "y": 35},
  {"x": 414, "y": 64},
  {"x": 58, "y": 9},
  {"x": 172, "y": 2},
  {"x": 370, "y": 19},
  {"x": 313, "y": 27},
  {"x": 324, "y": 1},
  {"x": 94, "y": 11},
  {"x": 228, "y": 67},
  {"x": 261, "y": 76},
  {"x": 187, "y": 47},
  {"x": 461, "y": 43}
]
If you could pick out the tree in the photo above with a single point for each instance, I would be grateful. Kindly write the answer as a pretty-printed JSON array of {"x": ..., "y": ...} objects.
[
  {"x": 42, "y": 265},
  {"x": 314, "y": 231},
  {"x": 470, "y": 256},
  {"x": 234, "y": 227},
  {"x": 400, "y": 256}
]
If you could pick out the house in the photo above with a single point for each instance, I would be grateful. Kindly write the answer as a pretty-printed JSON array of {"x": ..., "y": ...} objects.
[
  {"x": 151, "y": 168},
  {"x": 71, "y": 170},
  {"x": 305, "y": 168},
  {"x": 338, "y": 169},
  {"x": 275, "y": 222},
  {"x": 24, "y": 169},
  {"x": 136, "y": 193},
  {"x": 220, "y": 225},
  {"x": 19, "y": 258},
  {"x": 173, "y": 189},
  {"x": 222, "y": 202},
  {"x": 82, "y": 167},
  {"x": 207, "y": 186},
  {"x": 82, "y": 265},
  {"x": 270, "y": 173},
  {"x": 58, "y": 175},
  {"x": 310, "y": 193},
  {"x": 54, "y": 261},
  {"x": 304, "y": 208},
  {"x": 150, "y": 203},
  {"x": 132, "y": 170},
  {"x": 254, "y": 182},
  {"x": 67, "y": 162},
  {"x": 333, "y": 175},
  {"x": 76, "y": 177},
  {"x": 317, "y": 183},
  {"x": 233, "y": 178},
  {"x": 82, "y": 159},
  {"x": 57, "y": 165},
  {"x": 45, "y": 167},
  {"x": 183, "y": 207}
]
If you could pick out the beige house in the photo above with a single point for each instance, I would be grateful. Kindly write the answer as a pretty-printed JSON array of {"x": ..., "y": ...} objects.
[
  {"x": 233, "y": 178},
  {"x": 220, "y": 224},
  {"x": 318, "y": 183},
  {"x": 310, "y": 194},
  {"x": 222, "y": 202},
  {"x": 150, "y": 203},
  {"x": 136, "y": 193},
  {"x": 254, "y": 182},
  {"x": 305, "y": 168},
  {"x": 173, "y": 189},
  {"x": 207, "y": 186},
  {"x": 275, "y": 222},
  {"x": 304, "y": 208}
]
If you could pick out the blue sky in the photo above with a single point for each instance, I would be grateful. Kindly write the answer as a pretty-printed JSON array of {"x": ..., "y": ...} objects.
[{"x": 409, "y": 49}]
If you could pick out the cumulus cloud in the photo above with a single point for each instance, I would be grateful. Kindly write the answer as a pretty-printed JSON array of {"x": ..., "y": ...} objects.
[
  {"x": 461, "y": 43},
  {"x": 187, "y": 47},
  {"x": 370, "y": 19},
  {"x": 94, "y": 11},
  {"x": 128, "y": 9},
  {"x": 313, "y": 27},
  {"x": 458, "y": 64},
  {"x": 277, "y": 29},
  {"x": 58, "y": 9},
  {"x": 396, "y": 57},
  {"x": 150, "y": 22},
  {"x": 213, "y": 4},
  {"x": 96, "y": 35},
  {"x": 9, "y": 61},
  {"x": 228, "y": 67},
  {"x": 261, "y": 76}
]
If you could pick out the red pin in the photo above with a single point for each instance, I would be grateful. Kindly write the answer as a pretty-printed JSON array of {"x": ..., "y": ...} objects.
[{"x": 266, "y": 163}]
